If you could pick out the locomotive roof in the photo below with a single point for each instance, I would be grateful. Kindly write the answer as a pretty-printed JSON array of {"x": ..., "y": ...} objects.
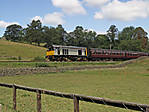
[{"x": 68, "y": 46}]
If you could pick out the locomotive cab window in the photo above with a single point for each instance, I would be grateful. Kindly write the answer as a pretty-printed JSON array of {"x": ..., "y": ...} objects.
[{"x": 51, "y": 48}]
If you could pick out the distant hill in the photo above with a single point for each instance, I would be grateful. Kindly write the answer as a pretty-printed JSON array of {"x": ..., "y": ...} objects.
[{"x": 12, "y": 50}]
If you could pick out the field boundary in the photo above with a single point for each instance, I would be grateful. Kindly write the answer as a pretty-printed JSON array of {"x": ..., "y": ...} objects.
[
  {"x": 76, "y": 98},
  {"x": 35, "y": 70}
]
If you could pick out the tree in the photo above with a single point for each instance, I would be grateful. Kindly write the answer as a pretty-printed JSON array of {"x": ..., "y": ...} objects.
[
  {"x": 13, "y": 32},
  {"x": 140, "y": 34},
  {"x": 133, "y": 39},
  {"x": 34, "y": 32},
  {"x": 78, "y": 35},
  {"x": 49, "y": 35},
  {"x": 70, "y": 40},
  {"x": 89, "y": 38},
  {"x": 130, "y": 45},
  {"x": 127, "y": 33},
  {"x": 102, "y": 41},
  {"x": 111, "y": 34},
  {"x": 61, "y": 35}
]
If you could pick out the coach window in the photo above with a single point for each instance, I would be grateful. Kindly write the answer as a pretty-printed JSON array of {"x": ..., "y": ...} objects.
[{"x": 95, "y": 52}]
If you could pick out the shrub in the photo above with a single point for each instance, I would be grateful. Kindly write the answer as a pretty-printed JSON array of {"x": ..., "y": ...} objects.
[
  {"x": 19, "y": 58},
  {"x": 42, "y": 65}
]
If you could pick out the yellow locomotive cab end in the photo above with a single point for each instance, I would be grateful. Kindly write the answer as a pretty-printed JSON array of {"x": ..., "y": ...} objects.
[{"x": 50, "y": 53}]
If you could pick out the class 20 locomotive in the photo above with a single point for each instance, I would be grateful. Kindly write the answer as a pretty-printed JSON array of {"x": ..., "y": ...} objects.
[{"x": 65, "y": 53}]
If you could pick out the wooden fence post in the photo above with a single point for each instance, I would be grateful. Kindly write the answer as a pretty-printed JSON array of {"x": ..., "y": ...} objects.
[
  {"x": 147, "y": 110},
  {"x": 0, "y": 108},
  {"x": 76, "y": 104},
  {"x": 38, "y": 101},
  {"x": 14, "y": 97}
]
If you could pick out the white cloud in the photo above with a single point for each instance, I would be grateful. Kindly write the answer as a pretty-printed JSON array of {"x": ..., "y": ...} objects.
[
  {"x": 98, "y": 32},
  {"x": 97, "y": 3},
  {"x": 125, "y": 11},
  {"x": 37, "y": 18},
  {"x": 98, "y": 15},
  {"x": 70, "y": 6},
  {"x": 4, "y": 24},
  {"x": 53, "y": 18},
  {"x": 101, "y": 32}
]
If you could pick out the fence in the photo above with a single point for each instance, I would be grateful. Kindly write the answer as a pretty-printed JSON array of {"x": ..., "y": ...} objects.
[{"x": 76, "y": 98}]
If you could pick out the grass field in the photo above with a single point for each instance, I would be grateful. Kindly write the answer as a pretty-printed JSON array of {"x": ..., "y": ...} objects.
[
  {"x": 127, "y": 84},
  {"x": 12, "y": 50}
]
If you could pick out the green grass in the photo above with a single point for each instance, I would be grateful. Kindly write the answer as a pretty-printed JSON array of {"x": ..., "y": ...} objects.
[
  {"x": 57, "y": 64},
  {"x": 127, "y": 84},
  {"x": 12, "y": 51}
]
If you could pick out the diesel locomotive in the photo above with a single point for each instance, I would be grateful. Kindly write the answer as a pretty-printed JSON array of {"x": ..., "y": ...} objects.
[{"x": 64, "y": 53}]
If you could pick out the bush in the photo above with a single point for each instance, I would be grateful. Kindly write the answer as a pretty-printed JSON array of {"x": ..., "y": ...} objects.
[
  {"x": 19, "y": 58},
  {"x": 42, "y": 65},
  {"x": 38, "y": 58}
]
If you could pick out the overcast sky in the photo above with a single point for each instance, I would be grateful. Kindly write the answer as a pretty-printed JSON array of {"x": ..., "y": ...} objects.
[{"x": 96, "y": 15}]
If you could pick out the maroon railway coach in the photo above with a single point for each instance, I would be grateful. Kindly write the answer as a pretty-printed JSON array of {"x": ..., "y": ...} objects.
[{"x": 102, "y": 54}]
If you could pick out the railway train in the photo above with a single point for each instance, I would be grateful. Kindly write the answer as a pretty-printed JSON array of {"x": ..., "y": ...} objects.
[{"x": 74, "y": 53}]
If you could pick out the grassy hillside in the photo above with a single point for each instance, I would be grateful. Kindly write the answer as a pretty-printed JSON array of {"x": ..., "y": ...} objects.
[
  {"x": 127, "y": 84},
  {"x": 11, "y": 50}
]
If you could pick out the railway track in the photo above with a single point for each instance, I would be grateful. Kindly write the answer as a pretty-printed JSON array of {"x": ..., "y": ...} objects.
[{"x": 16, "y": 61}]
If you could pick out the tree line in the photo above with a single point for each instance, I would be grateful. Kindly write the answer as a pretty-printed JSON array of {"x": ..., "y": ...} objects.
[{"x": 130, "y": 38}]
